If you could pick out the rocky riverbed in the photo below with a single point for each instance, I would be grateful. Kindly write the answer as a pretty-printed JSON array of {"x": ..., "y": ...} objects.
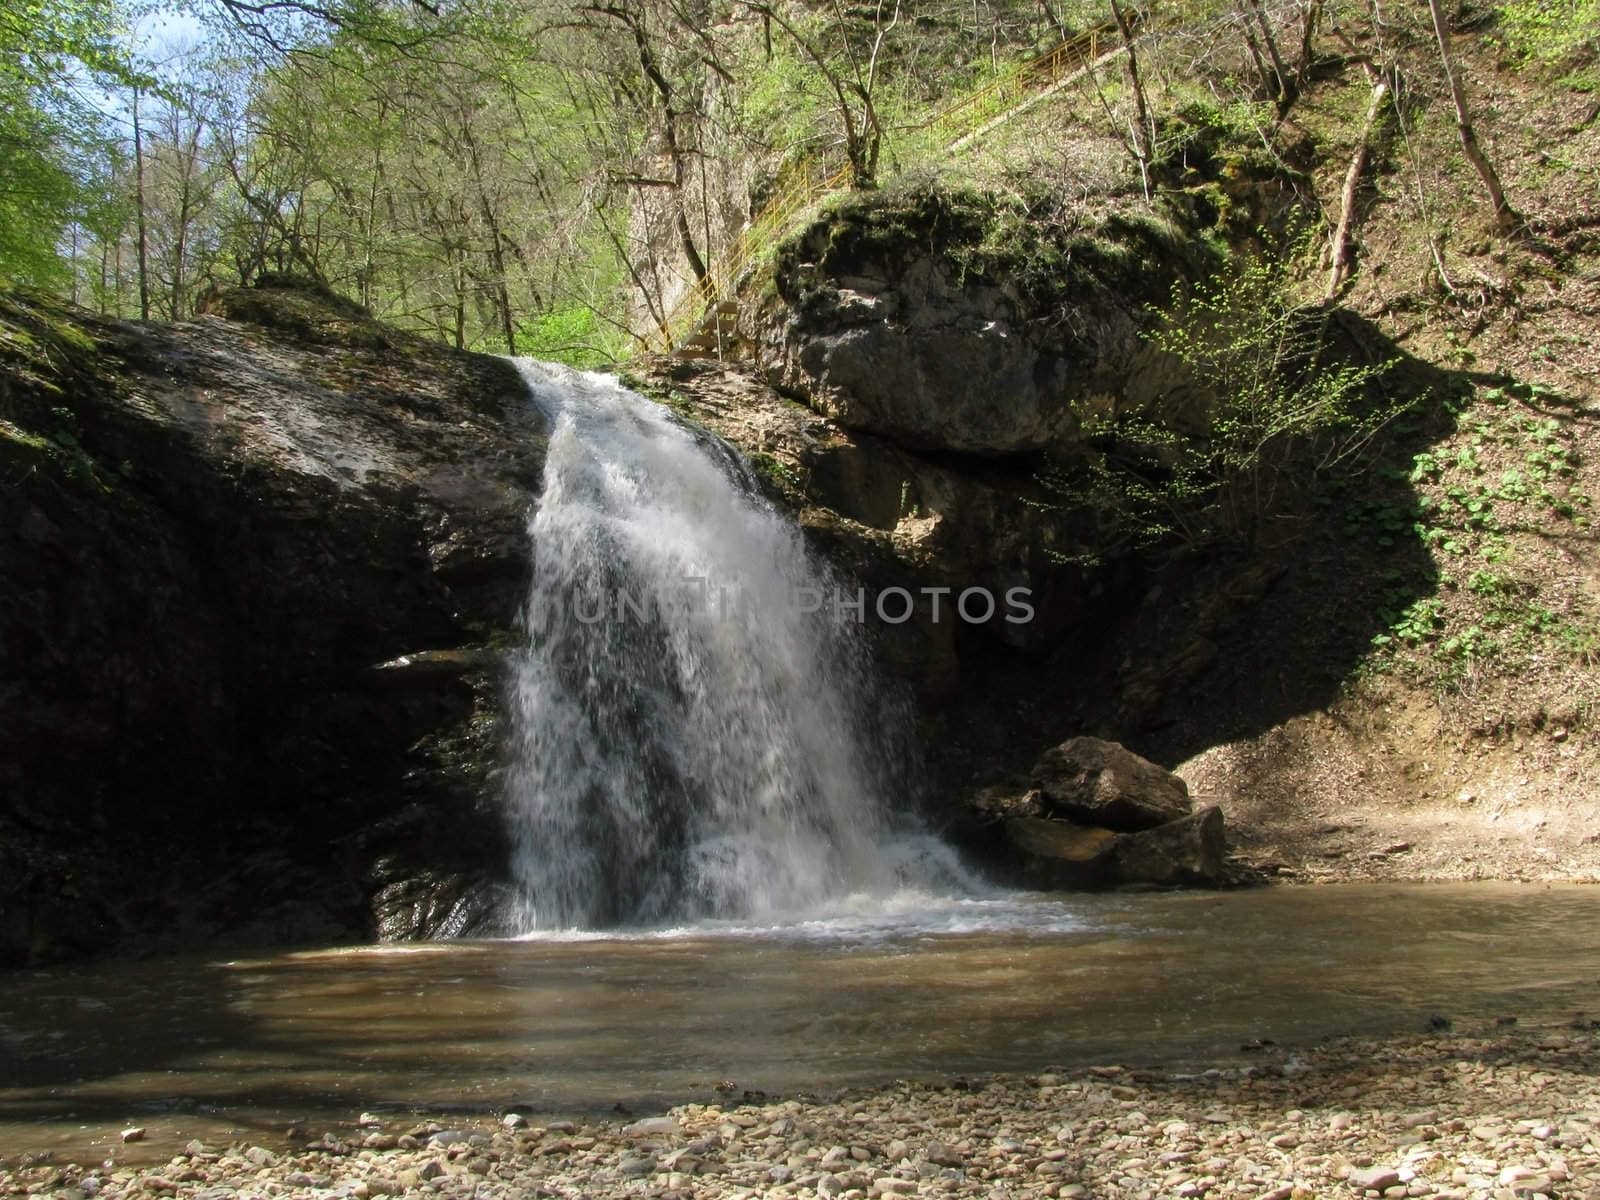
[{"x": 1498, "y": 1113}]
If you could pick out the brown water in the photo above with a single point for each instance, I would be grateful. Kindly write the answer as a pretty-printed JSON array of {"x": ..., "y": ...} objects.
[{"x": 216, "y": 1048}]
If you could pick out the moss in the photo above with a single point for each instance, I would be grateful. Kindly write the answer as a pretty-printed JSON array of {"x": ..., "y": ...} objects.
[
  {"x": 1040, "y": 249},
  {"x": 775, "y": 473},
  {"x": 21, "y": 437},
  {"x": 663, "y": 393},
  {"x": 862, "y": 228},
  {"x": 55, "y": 449},
  {"x": 44, "y": 341},
  {"x": 308, "y": 310}
]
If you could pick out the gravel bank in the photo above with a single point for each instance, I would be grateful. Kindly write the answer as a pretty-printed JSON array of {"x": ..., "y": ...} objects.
[{"x": 1507, "y": 1114}]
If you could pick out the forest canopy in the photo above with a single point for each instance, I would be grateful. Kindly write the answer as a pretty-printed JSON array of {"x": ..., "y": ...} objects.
[
  {"x": 538, "y": 177},
  {"x": 550, "y": 176}
]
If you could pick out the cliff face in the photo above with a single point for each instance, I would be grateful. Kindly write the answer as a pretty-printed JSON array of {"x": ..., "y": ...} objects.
[
  {"x": 919, "y": 359},
  {"x": 917, "y": 368},
  {"x": 948, "y": 325},
  {"x": 260, "y": 569},
  {"x": 256, "y": 566}
]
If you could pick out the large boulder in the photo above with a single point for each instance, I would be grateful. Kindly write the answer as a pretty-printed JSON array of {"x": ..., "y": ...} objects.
[
  {"x": 923, "y": 317},
  {"x": 1095, "y": 782},
  {"x": 258, "y": 567},
  {"x": 1187, "y": 851},
  {"x": 1060, "y": 856},
  {"x": 1096, "y": 815}
]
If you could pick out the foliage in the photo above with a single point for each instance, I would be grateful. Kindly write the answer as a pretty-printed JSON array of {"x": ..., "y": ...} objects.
[
  {"x": 785, "y": 104},
  {"x": 1270, "y": 398},
  {"x": 486, "y": 171},
  {"x": 1549, "y": 31},
  {"x": 573, "y": 335},
  {"x": 1505, "y": 473},
  {"x": 53, "y": 140}
]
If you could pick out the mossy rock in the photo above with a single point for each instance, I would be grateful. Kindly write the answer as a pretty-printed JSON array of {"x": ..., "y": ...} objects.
[
  {"x": 44, "y": 340},
  {"x": 306, "y": 309},
  {"x": 1041, "y": 250}
]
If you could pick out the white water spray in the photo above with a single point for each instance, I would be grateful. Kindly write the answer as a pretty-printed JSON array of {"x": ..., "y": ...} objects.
[{"x": 693, "y": 739}]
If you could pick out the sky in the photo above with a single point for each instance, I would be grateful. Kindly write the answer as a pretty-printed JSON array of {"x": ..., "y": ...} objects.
[
  {"x": 164, "y": 33},
  {"x": 162, "y": 40}
]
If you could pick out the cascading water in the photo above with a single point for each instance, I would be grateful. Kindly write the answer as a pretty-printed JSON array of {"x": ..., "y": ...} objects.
[{"x": 696, "y": 731}]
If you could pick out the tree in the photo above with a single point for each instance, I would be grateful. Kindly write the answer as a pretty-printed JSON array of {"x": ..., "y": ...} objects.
[
  {"x": 1277, "y": 401},
  {"x": 1141, "y": 130},
  {"x": 53, "y": 140},
  {"x": 853, "y": 84},
  {"x": 1506, "y": 217},
  {"x": 141, "y": 212},
  {"x": 1338, "y": 257}
]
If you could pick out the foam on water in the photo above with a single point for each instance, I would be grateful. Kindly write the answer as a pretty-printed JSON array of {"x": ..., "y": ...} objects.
[{"x": 909, "y": 915}]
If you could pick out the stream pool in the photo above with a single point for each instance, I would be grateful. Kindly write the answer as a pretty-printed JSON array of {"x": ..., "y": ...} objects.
[{"x": 236, "y": 1047}]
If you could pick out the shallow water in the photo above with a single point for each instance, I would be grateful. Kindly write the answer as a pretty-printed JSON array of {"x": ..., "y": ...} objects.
[{"x": 216, "y": 1048}]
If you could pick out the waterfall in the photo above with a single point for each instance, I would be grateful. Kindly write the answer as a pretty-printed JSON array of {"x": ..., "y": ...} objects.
[{"x": 697, "y": 734}]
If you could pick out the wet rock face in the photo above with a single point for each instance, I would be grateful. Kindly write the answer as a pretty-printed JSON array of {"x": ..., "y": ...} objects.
[
  {"x": 215, "y": 534},
  {"x": 1189, "y": 850},
  {"x": 890, "y": 518}
]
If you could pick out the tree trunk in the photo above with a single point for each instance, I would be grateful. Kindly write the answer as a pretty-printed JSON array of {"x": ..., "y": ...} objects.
[
  {"x": 1054, "y": 19},
  {"x": 497, "y": 242},
  {"x": 669, "y": 135},
  {"x": 1505, "y": 216},
  {"x": 1286, "y": 87},
  {"x": 1309, "y": 22},
  {"x": 1339, "y": 254},
  {"x": 1141, "y": 110},
  {"x": 138, "y": 203}
]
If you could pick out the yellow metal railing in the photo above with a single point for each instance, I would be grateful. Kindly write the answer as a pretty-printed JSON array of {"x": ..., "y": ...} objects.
[
  {"x": 1008, "y": 89},
  {"x": 811, "y": 180},
  {"x": 802, "y": 187}
]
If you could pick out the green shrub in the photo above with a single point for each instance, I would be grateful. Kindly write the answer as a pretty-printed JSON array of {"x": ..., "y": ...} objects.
[
  {"x": 1280, "y": 401},
  {"x": 1548, "y": 31}
]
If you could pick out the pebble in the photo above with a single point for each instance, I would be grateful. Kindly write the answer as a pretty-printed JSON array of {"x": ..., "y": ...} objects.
[
  {"x": 651, "y": 1127},
  {"x": 1357, "y": 1118},
  {"x": 940, "y": 1155}
]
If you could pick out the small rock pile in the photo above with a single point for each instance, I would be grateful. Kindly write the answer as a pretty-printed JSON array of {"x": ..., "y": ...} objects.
[
  {"x": 1506, "y": 1116},
  {"x": 1097, "y": 815}
]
